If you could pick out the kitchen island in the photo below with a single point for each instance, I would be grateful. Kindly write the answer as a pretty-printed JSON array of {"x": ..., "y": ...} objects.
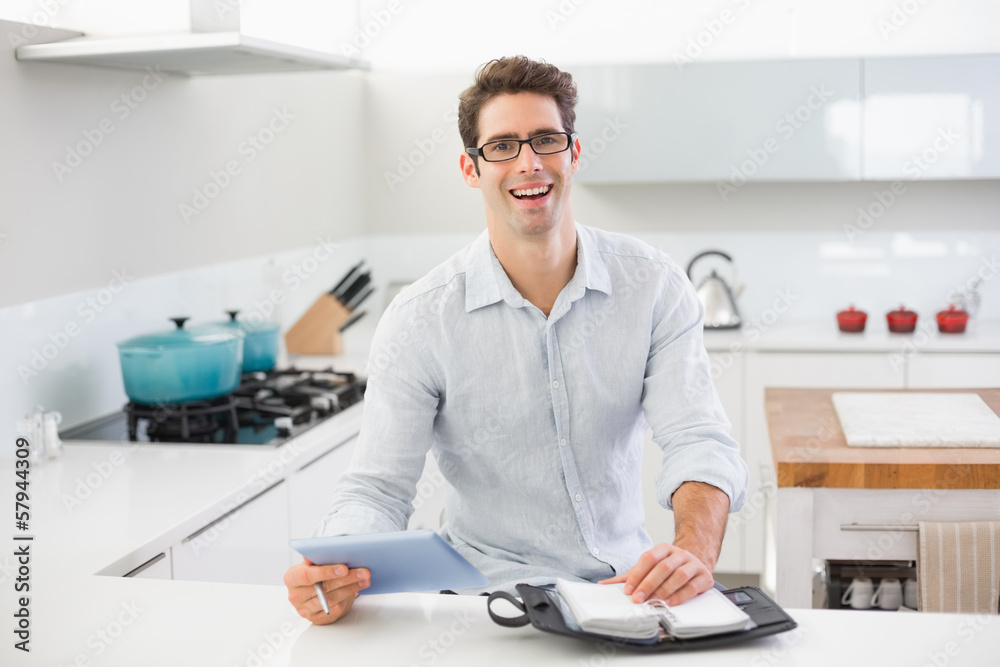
[{"x": 862, "y": 504}]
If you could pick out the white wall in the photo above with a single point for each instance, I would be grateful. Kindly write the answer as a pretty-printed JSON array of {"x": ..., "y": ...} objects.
[
  {"x": 457, "y": 35},
  {"x": 119, "y": 206}
]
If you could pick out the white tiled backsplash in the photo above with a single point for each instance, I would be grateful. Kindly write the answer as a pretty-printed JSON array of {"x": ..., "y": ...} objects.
[
  {"x": 822, "y": 272},
  {"x": 60, "y": 352},
  {"x": 71, "y": 338}
]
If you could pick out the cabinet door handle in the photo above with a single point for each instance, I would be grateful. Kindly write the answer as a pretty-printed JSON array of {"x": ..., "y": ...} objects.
[
  {"x": 231, "y": 512},
  {"x": 145, "y": 566},
  {"x": 879, "y": 527}
]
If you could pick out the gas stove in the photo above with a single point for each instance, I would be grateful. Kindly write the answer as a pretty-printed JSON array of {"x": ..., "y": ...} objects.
[{"x": 266, "y": 409}]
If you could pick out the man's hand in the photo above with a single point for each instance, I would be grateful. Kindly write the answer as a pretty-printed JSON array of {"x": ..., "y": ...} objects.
[
  {"x": 340, "y": 584},
  {"x": 677, "y": 572},
  {"x": 667, "y": 572}
]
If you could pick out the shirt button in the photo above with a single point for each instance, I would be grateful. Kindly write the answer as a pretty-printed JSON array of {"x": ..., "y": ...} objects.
[
  {"x": 596, "y": 551},
  {"x": 563, "y": 442},
  {"x": 555, "y": 384},
  {"x": 579, "y": 498}
]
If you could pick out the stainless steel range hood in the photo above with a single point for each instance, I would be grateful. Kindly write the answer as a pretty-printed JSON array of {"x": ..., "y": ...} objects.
[{"x": 215, "y": 45}]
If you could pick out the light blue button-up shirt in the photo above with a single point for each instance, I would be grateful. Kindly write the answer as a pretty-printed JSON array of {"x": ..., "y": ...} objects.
[{"x": 537, "y": 423}]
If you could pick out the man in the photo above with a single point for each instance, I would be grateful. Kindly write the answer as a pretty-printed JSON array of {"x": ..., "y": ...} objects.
[{"x": 531, "y": 362}]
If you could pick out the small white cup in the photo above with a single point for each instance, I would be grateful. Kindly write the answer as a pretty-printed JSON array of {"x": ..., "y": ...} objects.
[
  {"x": 910, "y": 593},
  {"x": 50, "y": 434},
  {"x": 888, "y": 595},
  {"x": 858, "y": 594}
]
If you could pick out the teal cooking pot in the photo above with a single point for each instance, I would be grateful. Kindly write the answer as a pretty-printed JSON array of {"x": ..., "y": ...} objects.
[
  {"x": 261, "y": 341},
  {"x": 181, "y": 365}
]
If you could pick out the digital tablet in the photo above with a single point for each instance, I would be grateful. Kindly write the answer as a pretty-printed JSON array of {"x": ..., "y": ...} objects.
[{"x": 400, "y": 562}]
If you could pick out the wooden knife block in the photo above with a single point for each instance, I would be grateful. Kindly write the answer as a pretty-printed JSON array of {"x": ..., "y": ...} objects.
[{"x": 318, "y": 330}]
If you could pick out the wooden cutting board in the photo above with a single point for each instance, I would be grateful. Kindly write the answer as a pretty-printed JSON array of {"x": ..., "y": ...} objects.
[{"x": 894, "y": 419}]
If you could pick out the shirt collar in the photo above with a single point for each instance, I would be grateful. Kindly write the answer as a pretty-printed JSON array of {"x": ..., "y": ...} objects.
[{"x": 486, "y": 282}]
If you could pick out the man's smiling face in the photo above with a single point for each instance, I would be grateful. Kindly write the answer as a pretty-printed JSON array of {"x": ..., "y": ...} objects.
[{"x": 507, "y": 185}]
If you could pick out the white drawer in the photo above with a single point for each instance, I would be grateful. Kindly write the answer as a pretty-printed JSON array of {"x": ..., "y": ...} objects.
[{"x": 881, "y": 514}]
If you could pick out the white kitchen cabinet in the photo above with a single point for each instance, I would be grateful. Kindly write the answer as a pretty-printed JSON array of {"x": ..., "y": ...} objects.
[
  {"x": 723, "y": 122},
  {"x": 310, "y": 491},
  {"x": 934, "y": 370},
  {"x": 659, "y": 521},
  {"x": 874, "y": 370},
  {"x": 248, "y": 545},
  {"x": 932, "y": 117}
]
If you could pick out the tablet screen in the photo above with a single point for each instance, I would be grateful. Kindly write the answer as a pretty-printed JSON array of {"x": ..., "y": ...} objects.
[{"x": 399, "y": 562}]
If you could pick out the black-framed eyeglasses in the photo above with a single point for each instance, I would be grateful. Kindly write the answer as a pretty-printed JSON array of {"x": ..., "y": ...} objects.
[{"x": 508, "y": 149}]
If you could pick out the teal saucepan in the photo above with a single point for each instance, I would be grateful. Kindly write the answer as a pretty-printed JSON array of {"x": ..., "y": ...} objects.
[
  {"x": 181, "y": 365},
  {"x": 261, "y": 341}
]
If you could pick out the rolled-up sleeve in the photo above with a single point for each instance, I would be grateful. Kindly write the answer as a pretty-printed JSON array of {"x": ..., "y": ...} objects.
[
  {"x": 681, "y": 404},
  {"x": 377, "y": 491}
]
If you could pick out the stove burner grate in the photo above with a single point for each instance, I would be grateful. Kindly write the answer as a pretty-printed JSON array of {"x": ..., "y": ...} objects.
[{"x": 190, "y": 421}]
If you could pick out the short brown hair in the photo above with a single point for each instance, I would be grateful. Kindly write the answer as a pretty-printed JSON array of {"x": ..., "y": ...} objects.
[{"x": 517, "y": 74}]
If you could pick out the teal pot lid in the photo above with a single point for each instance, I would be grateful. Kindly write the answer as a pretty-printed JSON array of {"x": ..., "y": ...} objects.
[{"x": 180, "y": 337}]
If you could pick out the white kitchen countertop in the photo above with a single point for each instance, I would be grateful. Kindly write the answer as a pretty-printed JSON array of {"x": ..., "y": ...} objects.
[
  {"x": 823, "y": 336},
  {"x": 193, "y": 624},
  {"x": 116, "y": 505}
]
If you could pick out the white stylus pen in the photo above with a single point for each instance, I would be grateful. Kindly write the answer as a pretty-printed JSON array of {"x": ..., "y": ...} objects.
[{"x": 318, "y": 587}]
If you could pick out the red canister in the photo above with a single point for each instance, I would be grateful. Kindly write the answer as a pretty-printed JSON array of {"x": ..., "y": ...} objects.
[
  {"x": 851, "y": 320},
  {"x": 901, "y": 320},
  {"x": 952, "y": 320}
]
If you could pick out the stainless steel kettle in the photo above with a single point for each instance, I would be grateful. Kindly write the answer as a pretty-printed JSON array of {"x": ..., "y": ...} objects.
[{"x": 716, "y": 296}]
